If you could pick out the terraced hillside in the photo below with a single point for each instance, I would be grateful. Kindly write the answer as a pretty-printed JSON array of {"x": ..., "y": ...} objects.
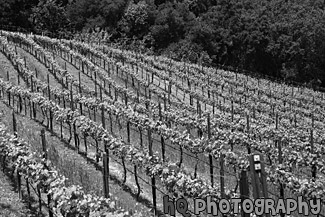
[{"x": 135, "y": 128}]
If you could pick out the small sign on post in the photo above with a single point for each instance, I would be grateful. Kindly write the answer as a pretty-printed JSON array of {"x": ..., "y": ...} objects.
[
  {"x": 257, "y": 163},
  {"x": 258, "y": 177},
  {"x": 43, "y": 139}
]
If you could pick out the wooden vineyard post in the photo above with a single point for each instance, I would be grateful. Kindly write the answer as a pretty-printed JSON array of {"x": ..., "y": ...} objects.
[
  {"x": 75, "y": 136},
  {"x": 135, "y": 167},
  {"x": 28, "y": 193},
  {"x": 71, "y": 99},
  {"x": 152, "y": 77},
  {"x": 49, "y": 95},
  {"x": 106, "y": 172},
  {"x": 43, "y": 139},
  {"x": 128, "y": 131},
  {"x": 169, "y": 85},
  {"x": 8, "y": 92},
  {"x": 126, "y": 80},
  {"x": 79, "y": 79},
  {"x": 14, "y": 123},
  {"x": 106, "y": 154},
  {"x": 247, "y": 127},
  {"x": 62, "y": 83},
  {"x": 200, "y": 134},
  {"x": 213, "y": 107},
  {"x": 161, "y": 137},
  {"x": 109, "y": 69},
  {"x": 33, "y": 104},
  {"x": 169, "y": 91},
  {"x": 165, "y": 87},
  {"x": 102, "y": 109},
  {"x": 123, "y": 157},
  {"x": 18, "y": 174},
  {"x": 153, "y": 179},
  {"x": 222, "y": 176},
  {"x": 44, "y": 149},
  {"x": 20, "y": 104},
  {"x": 198, "y": 107},
  {"x": 30, "y": 108},
  {"x": 109, "y": 89},
  {"x": 210, "y": 155},
  {"x": 149, "y": 95},
  {"x": 95, "y": 82},
  {"x": 137, "y": 180},
  {"x": 314, "y": 168},
  {"x": 258, "y": 177},
  {"x": 116, "y": 95},
  {"x": 244, "y": 190},
  {"x": 279, "y": 146},
  {"x": 126, "y": 98},
  {"x": 191, "y": 98},
  {"x": 19, "y": 185}
]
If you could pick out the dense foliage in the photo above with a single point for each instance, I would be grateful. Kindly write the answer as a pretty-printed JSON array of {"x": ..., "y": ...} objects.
[{"x": 277, "y": 38}]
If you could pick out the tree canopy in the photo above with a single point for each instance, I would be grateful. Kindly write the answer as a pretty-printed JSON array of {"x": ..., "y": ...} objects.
[{"x": 273, "y": 37}]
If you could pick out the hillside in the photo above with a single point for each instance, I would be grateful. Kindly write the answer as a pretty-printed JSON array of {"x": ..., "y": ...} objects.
[
  {"x": 281, "y": 39},
  {"x": 135, "y": 127}
]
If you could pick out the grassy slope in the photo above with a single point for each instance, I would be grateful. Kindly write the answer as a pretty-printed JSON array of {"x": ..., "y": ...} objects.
[
  {"x": 6, "y": 66},
  {"x": 67, "y": 161},
  {"x": 10, "y": 204},
  {"x": 115, "y": 164},
  {"x": 171, "y": 151}
]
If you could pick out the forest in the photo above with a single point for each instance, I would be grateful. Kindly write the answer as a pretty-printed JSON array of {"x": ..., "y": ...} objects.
[{"x": 276, "y": 38}]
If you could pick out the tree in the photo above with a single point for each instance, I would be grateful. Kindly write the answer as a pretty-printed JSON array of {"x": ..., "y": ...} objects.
[
  {"x": 16, "y": 13},
  {"x": 171, "y": 24},
  {"x": 88, "y": 14},
  {"x": 49, "y": 17},
  {"x": 135, "y": 21}
]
